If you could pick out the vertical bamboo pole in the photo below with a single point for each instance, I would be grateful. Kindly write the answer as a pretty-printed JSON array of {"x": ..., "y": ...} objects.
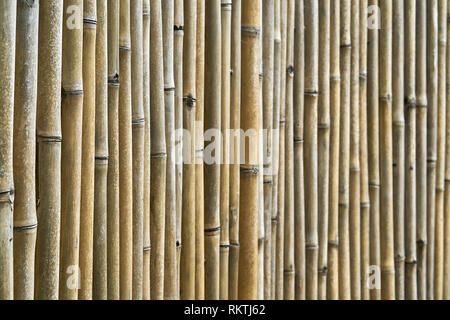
[
  {"x": 88, "y": 150},
  {"x": 276, "y": 145},
  {"x": 279, "y": 290},
  {"x": 440, "y": 165},
  {"x": 446, "y": 293},
  {"x": 99, "y": 281},
  {"x": 49, "y": 138},
  {"x": 289, "y": 226},
  {"x": 410, "y": 164},
  {"x": 138, "y": 136},
  {"x": 7, "y": 65},
  {"x": 248, "y": 230},
  {"x": 226, "y": 6},
  {"x": 187, "y": 272},
  {"x": 158, "y": 152},
  {"x": 268, "y": 62},
  {"x": 421, "y": 143},
  {"x": 299, "y": 192},
  {"x": 25, "y": 220},
  {"x": 72, "y": 118},
  {"x": 125, "y": 153},
  {"x": 146, "y": 103},
  {"x": 170, "y": 265},
  {"x": 333, "y": 219},
  {"x": 398, "y": 119},
  {"x": 311, "y": 144},
  {"x": 113, "y": 221},
  {"x": 363, "y": 151},
  {"x": 178, "y": 77},
  {"x": 199, "y": 190},
  {"x": 212, "y": 171},
  {"x": 323, "y": 143},
  {"x": 235, "y": 107}
]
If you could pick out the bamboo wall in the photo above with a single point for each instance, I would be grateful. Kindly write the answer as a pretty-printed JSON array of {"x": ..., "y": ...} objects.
[{"x": 337, "y": 185}]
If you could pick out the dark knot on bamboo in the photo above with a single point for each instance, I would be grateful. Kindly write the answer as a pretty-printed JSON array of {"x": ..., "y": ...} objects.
[{"x": 190, "y": 101}]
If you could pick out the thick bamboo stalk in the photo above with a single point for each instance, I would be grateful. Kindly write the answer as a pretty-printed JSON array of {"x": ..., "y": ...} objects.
[
  {"x": 432, "y": 123},
  {"x": 72, "y": 119},
  {"x": 226, "y": 6},
  {"x": 421, "y": 151},
  {"x": 99, "y": 281},
  {"x": 25, "y": 220},
  {"x": 363, "y": 151},
  {"x": 268, "y": 51},
  {"x": 199, "y": 190},
  {"x": 212, "y": 171},
  {"x": 440, "y": 165},
  {"x": 7, "y": 65},
  {"x": 88, "y": 150},
  {"x": 398, "y": 122},
  {"x": 299, "y": 192},
  {"x": 158, "y": 153},
  {"x": 187, "y": 272},
  {"x": 138, "y": 136},
  {"x": 410, "y": 164},
  {"x": 323, "y": 123},
  {"x": 250, "y": 105},
  {"x": 170, "y": 263},
  {"x": 333, "y": 214},
  {"x": 125, "y": 153},
  {"x": 146, "y": 103},
  {"x": 279, "y": 268},
  {"x": 49, "y": 139},
  {"x": 311, "y": 145},
  {"x": 374, "y": 152},
  {"x": 446, "y": 293},
  {"x": 289, "y": 226},
  {"x": 113, "y": 222},
  {"x": 235, "y": 107}
]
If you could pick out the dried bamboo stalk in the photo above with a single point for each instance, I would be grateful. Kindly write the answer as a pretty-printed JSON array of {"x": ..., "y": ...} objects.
[
  {"x": 25, "y": 220},
  {"x": 158, "y": 152},
  {"x": 88, "y": 150},
  {"x": 446, "y": 293},
  {"x": 71, "y": 118},
  {"x": 113, "y": 216}
]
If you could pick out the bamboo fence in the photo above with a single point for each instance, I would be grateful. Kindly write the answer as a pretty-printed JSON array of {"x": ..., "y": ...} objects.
[{"x": 224, "y": 149}]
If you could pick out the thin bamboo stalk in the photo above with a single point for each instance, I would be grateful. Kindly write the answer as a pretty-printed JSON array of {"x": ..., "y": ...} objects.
[
  {"x": 213, "y": 82},
  {"x": 158, "y": 152},
  {"x": 268, "y": 62},
  {"x": 72, "y": 119},
  {"x": 446, "y": 293},
  {"x": 421, "y": 151},
  {"x": 226, "y": 6},
  {"x": 398, "y": 119},
  {"x": 374, "y": 152},
  {"x": 99, "y": 281},
  {"x": 250, "y": 100},
  {"x": 146, "y": 103},
  {"x": 125, "y": 153},
  {"x": 323, "y": 144},
  {"x": 363, "y": 151},
  {"x": 49, "y": 139},
  {"x": 410, "y": 164},
  {"x": 432, "y": 119},
  {"x": 7, "y": 65},
  {"x": 235, "y": 107},
  {"x": 88, "y": 150},
  {"x": 311, "y": 145},
  {"x": 170, "y": 265},
  {"x": 187, "y": 272},
  {"x": 440, "y": 165},
  {"x": 199, "y": 143},
  {"x": 299, "y": 192},
  {"x": 25, "y": 220},
  {"x": 333, "y": 214},
  {"x": 113, "y": 216}
]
